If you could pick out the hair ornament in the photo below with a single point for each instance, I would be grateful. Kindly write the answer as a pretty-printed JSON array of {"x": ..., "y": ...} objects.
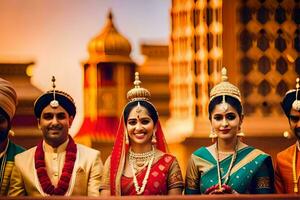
[
  {"x": 54, "y": 103},
  {"x": 296, "y": 103},
  {"x": 138, "y": 93}
]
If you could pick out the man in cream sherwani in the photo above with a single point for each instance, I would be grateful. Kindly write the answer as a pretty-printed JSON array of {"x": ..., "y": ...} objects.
[{"x": 57, "y": 165}]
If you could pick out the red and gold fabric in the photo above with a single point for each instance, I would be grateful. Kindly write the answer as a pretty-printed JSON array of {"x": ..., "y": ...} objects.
[{"x": 113, "y": 179}]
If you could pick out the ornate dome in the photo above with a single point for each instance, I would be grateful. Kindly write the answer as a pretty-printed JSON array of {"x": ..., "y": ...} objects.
[{"x": 109, "y": 45}]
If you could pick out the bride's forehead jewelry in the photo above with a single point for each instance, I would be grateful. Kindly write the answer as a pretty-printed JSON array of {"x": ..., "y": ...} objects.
[
  {"x": 296, "y": 103},
  {"x": 138, "y": 93},
  {"x": 54, "y": 103},
  {"x": 225, "y": 88},
  {"x": 138, "y": 108},
  {"x": 224, "y": 105}
]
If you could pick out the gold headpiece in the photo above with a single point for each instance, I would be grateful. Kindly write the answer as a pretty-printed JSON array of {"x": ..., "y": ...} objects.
[
  {"x": 138, "y": 93},
  {"x": 225, "y": 88},
  {"x": 296, "y": 103},
  {"x": 54, "y": 103}
]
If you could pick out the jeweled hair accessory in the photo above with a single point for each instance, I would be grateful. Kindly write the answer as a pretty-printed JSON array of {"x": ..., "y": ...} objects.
[
  {"x": 225, "y": 88},
  {"x": 54, "y": 103},
  {"x": 296, "y": 103},
  {"x": 138, "y": 93}
]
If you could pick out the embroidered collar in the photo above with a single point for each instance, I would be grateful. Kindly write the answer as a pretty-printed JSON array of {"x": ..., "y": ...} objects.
[{"x": 64, "y": 181}]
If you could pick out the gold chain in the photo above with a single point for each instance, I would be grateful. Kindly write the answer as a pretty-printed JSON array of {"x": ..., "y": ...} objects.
[
  {"x": 226, "y": 176},
  {"x": 295, "y": 177}
]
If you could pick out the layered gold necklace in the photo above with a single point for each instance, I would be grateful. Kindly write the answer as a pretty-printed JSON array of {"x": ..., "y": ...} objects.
[
  {"x": 137, "y": 162},
  {"x": 295, "y": 177}
]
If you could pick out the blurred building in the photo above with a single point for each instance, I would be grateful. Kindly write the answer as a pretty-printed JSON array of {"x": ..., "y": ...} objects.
[
  {"x": 24, "y": 123},
  {"x": 258, "y": 42},
  {"x": 154, "y": 74},
  {"x": 108, "y": 75}
]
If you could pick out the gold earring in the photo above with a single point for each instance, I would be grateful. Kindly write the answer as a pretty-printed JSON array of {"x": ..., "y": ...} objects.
[
  {"x": 11, "y": 132},
  {"x": 212, "y": 135},
  {"x": 240, "y": 133},
  {"x": 126, "y": 138},
  {"x": 153, "y": 138}
]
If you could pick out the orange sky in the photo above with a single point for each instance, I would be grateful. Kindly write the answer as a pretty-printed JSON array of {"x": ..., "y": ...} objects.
[{"x": 55, "y": 33}]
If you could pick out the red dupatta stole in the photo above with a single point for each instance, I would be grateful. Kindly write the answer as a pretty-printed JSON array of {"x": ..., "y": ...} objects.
[{"x": 120, "y": 151}]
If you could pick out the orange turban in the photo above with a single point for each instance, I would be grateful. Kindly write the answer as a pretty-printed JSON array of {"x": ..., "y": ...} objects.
[{"x": 8, "y": 98}]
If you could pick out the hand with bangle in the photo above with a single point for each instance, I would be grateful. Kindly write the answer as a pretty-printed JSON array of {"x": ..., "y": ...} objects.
[{"x": 225, "y": 189}]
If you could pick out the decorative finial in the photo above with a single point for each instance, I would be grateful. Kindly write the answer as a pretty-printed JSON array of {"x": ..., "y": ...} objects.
[
  {"x": 54, "y": 103},
  {"x": 53, "y": 82},
  {"x": 224, "y": 76},
  {"x": 138, "y": 93},
  {"x": 137, "y": 81},
  {"x": 296, "y": 103},
  {"x": 110, "y": 15}
]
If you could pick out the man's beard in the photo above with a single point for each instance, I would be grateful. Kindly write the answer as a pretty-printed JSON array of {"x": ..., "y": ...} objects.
[
  {"x": 3, "y": 135},
  {"x": 297, "y": 132}
]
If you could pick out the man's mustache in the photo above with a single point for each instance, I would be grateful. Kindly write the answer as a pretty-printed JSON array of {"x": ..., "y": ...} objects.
[{"x": 57, "y": 127}]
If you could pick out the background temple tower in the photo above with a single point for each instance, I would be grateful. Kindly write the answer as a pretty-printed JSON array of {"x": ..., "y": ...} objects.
[
  {"x": 154, "y": 74},
  {"x": 195, "y": 60},
  {"x": 108, "y": 75}
]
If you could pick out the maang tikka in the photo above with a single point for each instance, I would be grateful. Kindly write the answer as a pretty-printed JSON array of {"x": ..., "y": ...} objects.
[{"x": 224, "y": 105}]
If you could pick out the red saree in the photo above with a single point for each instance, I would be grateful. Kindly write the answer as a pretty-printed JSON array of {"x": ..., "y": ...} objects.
[
  {"x": 157, "y": 181},
  {"x": 119, "y": 152}
]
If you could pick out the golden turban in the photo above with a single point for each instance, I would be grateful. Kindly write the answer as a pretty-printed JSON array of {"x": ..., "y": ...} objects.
[{"x": 8, "y": 98}]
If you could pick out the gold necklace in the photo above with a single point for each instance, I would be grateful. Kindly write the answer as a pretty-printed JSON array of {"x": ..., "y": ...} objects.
[
  {"x": 140, "y": 160},
  {"x": 295, "y": 177},
  {"x": 140, "y": 189},
  {"x": 226, "y": 176}
]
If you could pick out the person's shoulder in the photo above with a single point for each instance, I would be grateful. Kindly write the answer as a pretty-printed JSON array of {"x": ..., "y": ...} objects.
[
  {"x": 17, "y": 148},
  {"x": 168, "y": 155},
  {"x": 251, "y": 149},
  {"x": 86, "y": 149},
  {"x": 26, "y": 154},
  {"x": 286, "y": 151},
  {"x": 200, "y": 151}
]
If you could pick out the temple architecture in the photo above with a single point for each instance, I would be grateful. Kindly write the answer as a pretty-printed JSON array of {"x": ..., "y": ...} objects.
[
  {"x": 154, "y": 74},
  {"x": 108, "y": 75},
  {"x": 258, "y": 42}
]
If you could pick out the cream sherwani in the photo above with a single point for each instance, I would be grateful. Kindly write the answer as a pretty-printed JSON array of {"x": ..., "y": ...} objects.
[{"x": 85, "y": 180}]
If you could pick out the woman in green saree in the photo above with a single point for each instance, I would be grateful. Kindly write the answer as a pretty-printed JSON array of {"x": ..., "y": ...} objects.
[{"x": 229, "y": 165}]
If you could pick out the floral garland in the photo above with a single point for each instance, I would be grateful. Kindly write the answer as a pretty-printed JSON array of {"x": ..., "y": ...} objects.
[{"x": 40, "y": 166}]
